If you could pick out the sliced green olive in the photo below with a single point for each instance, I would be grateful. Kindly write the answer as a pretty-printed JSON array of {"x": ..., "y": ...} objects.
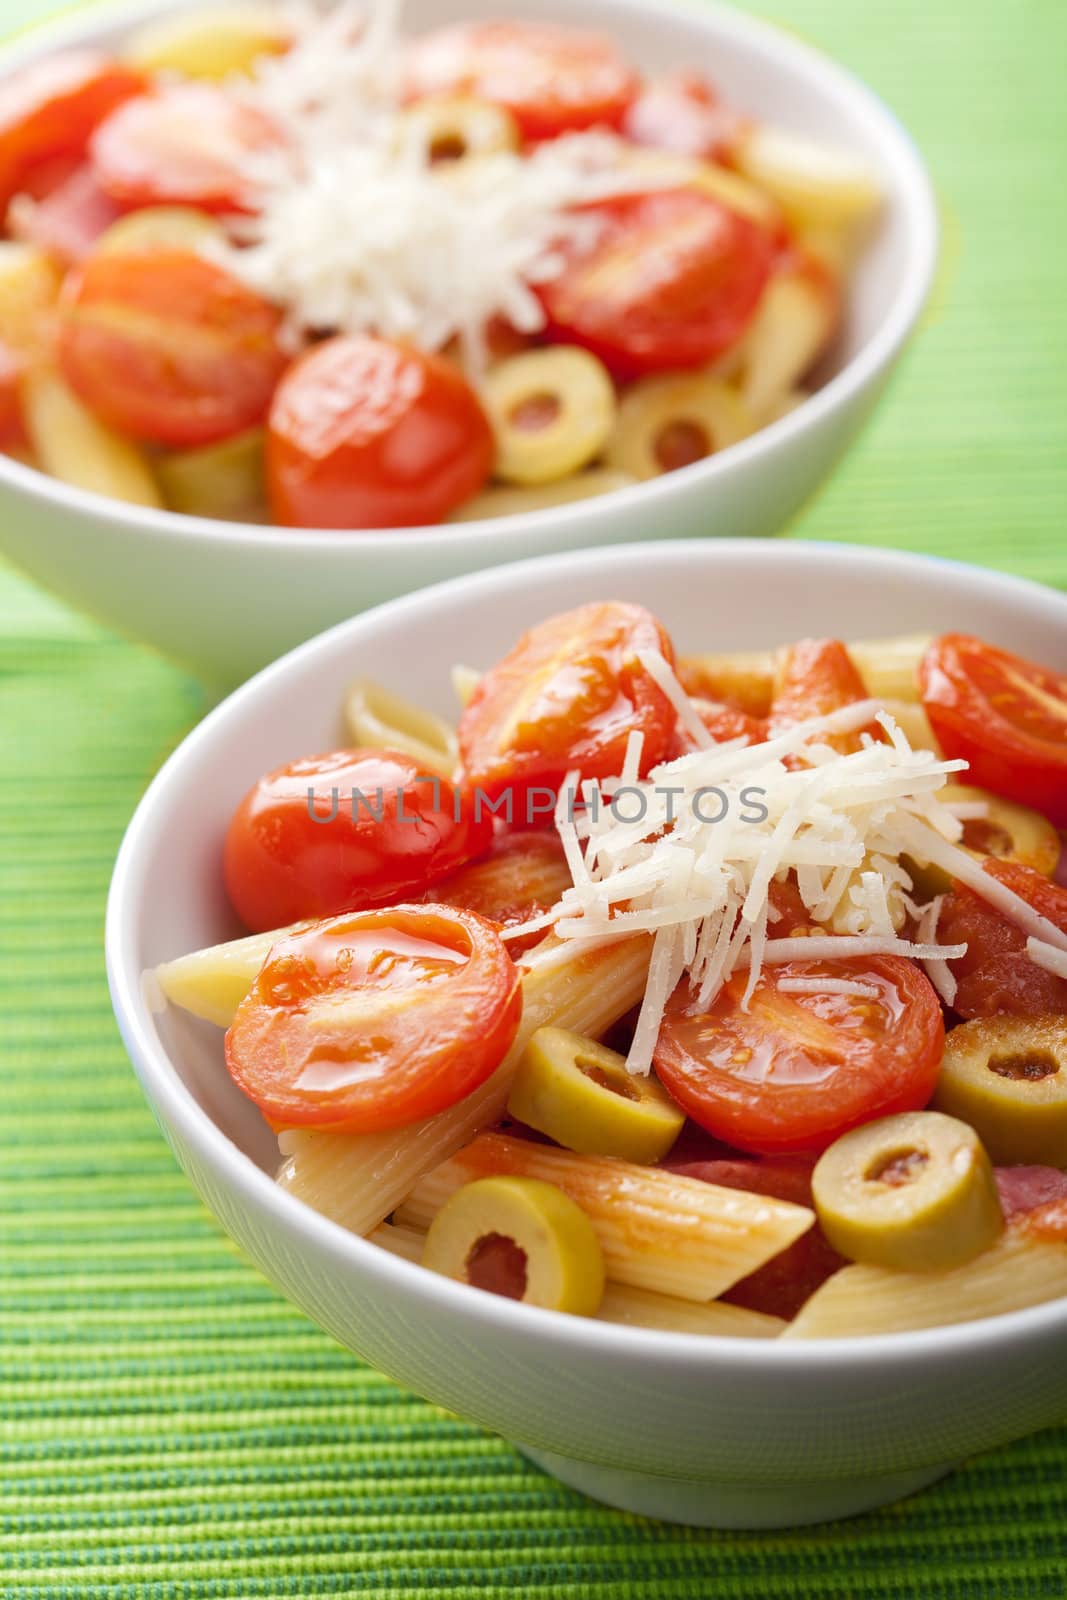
[
  {"x": 1007, "y": 1076},
  {"x": 521, "y": 1238},
  {"x": 453, "y": 127},
  {"x": 674, "y": 421},
  {"x": 551, "y": 412},
  {"x": 580, "y": 1094},
  {"x": 1007, "y": 831},
  {"x": 914, "y": 1192},
  {"x": 218, "y": 480}
]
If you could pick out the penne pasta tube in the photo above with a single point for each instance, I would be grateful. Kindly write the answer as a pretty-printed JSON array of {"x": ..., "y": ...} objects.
[
  {"x": 464, "y": 682},
  {"x": 357, "y": 1179},
  {"x": 375, "y": 716},
  {"x": 74, "y": 445},
  {"x": 888, "y": 667},
  {"x": 640, "y": 1308},
  {"x": 658, "y": 1231},
  {"x": 631, "y": 1308},
  {"x": 211, "y": 983},
  {"x": 915, "y": 724},
  {"x": 1015, "y": 1273}
]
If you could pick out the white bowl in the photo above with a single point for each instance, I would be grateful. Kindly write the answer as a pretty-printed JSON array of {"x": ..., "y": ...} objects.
[
  {"x": 225, "y": 598},
  {"x": 714, "y": 1431}
]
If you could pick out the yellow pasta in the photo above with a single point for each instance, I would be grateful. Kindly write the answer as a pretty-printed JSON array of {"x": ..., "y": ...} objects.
[
  {"x": 357, "y": 1179},
  {"x": 29, "y": 289},
  {"x": 405, "y": 1242},
  {"x": 73, "y": 445},
  {"x": 791, "y": 329},
  {"x": 657, "y": 1230},
  {"x": 814, "y": 184},
  {"x": 211, "y": 983},
  {"x": 507, "y": 501},
  {"x": 210, "y": 44},
  {"x": 889, "y": 669},
  {"x": 640, "y": 1308},
  {"x": 375, "y": 716},
  {"x": 1016, "y": 1272}
]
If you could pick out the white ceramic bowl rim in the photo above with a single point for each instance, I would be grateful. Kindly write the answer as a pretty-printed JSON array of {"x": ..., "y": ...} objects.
[
  {"x": 790, "y": 55},
  {"x": 166, "y": 1089}
]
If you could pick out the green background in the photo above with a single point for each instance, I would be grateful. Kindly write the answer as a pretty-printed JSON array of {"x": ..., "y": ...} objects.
[{"x": 170, "y": 1427}]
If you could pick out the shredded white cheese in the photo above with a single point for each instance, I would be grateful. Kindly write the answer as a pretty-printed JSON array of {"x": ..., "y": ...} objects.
[
  {"x": 847, "y": 986},
  {"x": 354, "y": 229},
  {"x": 1047, "y": 956}
]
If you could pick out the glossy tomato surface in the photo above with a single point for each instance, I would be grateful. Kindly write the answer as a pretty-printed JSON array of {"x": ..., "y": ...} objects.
[
  {"x": 670, "y": 279},
  {"x": 996, "y": 974},
  {"x": 189, "y": 144},
  {"x": 374, "y": 829},
  {"x": 48, "y": 112},
  {"x": 553, "y": 80},
  {"x": 368, "y": 433},
  {"x": 1005, "y": 716},
  {"x": 816, "y": 676},
  {"x": 523, "y": 876},
  {"x": 797, "y": 1070},
  {"x": 168, "y": 347},
  {"x": 566, "y": 697},
  {"x": 376, "y": 1020}
]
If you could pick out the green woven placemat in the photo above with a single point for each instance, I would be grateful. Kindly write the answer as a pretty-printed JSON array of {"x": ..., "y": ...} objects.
[{"x": 170, "y": 1427}]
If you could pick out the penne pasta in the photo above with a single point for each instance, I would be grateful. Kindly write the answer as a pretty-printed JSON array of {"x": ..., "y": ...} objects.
[
  {"x": 376, "y": 717},
  {"x": 74, "y": 445},
  {"x": 914, "y": 723},
  {"x": 640, "y": 1308},
  {"x": 1015, "y": 1273},
  {"x": 405, "y": 1242},
  {"x": 464, "y": 682},
  {"x": 211, "y": 983},
  {"x": 658, "y": 1231},
  {"x": 358, "y": 1179},
  {"x": 888, "y": 667}
]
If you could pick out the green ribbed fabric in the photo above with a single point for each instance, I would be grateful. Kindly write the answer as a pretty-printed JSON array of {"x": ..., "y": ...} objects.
[{"x": 170, "y": 1428}]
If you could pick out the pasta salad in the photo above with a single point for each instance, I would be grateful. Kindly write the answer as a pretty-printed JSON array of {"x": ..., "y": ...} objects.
[
  {"x": 293, "y": 265},
  {"x": 724, "y": 994}
]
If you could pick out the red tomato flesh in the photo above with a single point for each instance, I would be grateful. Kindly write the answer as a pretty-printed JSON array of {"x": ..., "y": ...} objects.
[
  {"x": 49, "y": 111},
  {"x": 996, "y": 974},
  {"x": 567, "y": 696},
  {"x": 12, "y": 431},
  {"x": 553, "y": 80},
  {"x": 186, "y": 145},
  {"x": 522, "y": 877},
  {"x": 722, "y": 722},
  {"x": 817, "y": 677},
  {"x": 781, "y": 1287},
  {"x": 367, "y": 433},
  {"x": 169, "y": 347},
  {"x": 797, "y": 1070},
  {"x": 1004, "y": 715},
  {"x": 375, "y": 1020},
  {"x": 670, "y": 280},
  {"x": 69, "y": 220},
  {"x": 377, "y": 830},
  {"x": 682, "y": 113}
]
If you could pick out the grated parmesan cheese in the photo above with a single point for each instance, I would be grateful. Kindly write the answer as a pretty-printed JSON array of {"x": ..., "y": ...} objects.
[
  {"x": 701, "y": 886},
  {"x": 355, "y": 229}
]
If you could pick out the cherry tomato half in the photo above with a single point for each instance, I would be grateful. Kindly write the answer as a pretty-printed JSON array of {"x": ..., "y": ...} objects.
[
  {"x": 996, "y": 974},
  {"x": 797, "y": 1070},
  {"x": 70, "y": 219},
  {"x": 377, "y": 830},
  {"x": 168, "y": 347},
  {"x": 366, "y": 433},
  {"x": 781, "y": 1287},
  {"x": 12, "y": 430},
  {"x": 375, "y": 1020},
  {"x": 1006, "y": 716},
  {"x": 522, "y": 877},
  {"x": 568, "y": 695},
  {"x": 722, "y": 722},
  {"x": 49, "y": 111},
  {"x": 553, "y": 80},
  {"x": 682, "y": 113},
  {"x": 671, "y": 279},
  {"x": 817, "y": 676},
  {"x": 186, "y": 145}
]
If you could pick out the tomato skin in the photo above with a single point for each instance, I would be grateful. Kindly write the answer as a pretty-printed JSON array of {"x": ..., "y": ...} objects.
[
  {"x": 50, "y": 109},
  {"x": 996, "y": 974},
  {"x": 183, "y": 145},
  {"x": 70, "y": 219},
  {"x": 681, "y": 112},
  {"x": 779, "y": 1288},
  {"x": 12, "y": 430},
  {"x": 798, "y": 1070},
  {"x": 722, "y": 722},
  {"x": 522, "y": 877},
  {"x": 434, "y": 1004},
  {"x": 1007, "y": 717},
  {"x": 672, "y": 279},
  {"x": 368, "y": 433},
  {"x": 553, "y": 80},
  {"x": 168, "y": 347},
  {"x": 817, "y": 676},
  {"x": 567, "y": 695},
  {"x": 281, "y": 865}
]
